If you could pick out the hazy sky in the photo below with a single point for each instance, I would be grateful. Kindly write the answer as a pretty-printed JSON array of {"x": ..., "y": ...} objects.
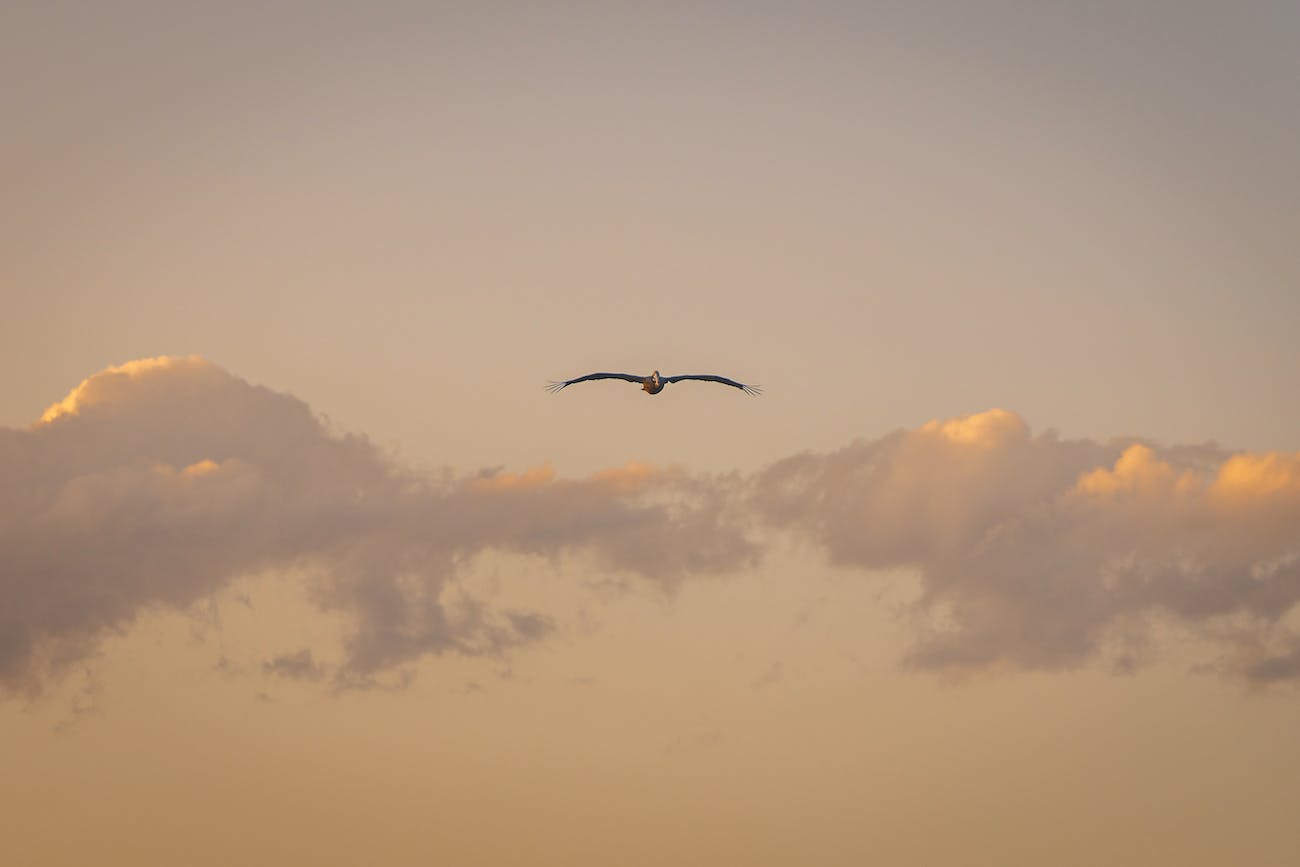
[{"x": 300, "y": 563}]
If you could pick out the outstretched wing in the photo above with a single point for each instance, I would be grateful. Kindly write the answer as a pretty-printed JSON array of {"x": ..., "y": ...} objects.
[
  {"x": 556, "y": 386},
  {"x": 708, "y": 377}
]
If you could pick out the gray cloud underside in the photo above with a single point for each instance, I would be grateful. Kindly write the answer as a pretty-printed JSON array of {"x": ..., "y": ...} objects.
[{"x": 163, "y": 482}]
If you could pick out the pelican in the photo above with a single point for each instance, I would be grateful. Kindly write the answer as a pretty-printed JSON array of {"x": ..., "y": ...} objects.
[{"x": 654, "y": 383}]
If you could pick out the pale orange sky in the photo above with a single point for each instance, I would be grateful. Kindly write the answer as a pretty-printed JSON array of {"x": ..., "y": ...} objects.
[{"x": 859, "y": 619}]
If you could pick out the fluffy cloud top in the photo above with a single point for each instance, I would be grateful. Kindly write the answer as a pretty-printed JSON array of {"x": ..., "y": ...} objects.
[{"x": 157, "y": 482}]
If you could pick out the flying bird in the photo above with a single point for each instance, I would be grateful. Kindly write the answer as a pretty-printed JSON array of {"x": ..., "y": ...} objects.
[{"x": 654, "y": 383}]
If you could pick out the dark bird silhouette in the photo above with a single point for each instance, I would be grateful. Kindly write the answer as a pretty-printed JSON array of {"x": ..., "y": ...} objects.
[{"x": 654, "y": 383}]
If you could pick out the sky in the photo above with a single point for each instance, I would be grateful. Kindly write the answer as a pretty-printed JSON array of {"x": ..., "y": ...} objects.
[{"x": 300, "y": 562}]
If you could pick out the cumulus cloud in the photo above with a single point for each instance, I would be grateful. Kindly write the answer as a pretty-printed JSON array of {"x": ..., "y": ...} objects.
[
  {"x": 1035, "y": 552},
  {"x": 156, "y": 483}
]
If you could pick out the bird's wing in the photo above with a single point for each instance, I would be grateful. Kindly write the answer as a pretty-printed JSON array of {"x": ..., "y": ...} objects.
[
  {"x": 556, "y": 386},
  {"x": 708, "y": 377}
]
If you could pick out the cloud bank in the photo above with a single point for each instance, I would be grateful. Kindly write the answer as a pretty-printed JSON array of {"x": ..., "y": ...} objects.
[{"x": 157, "y": 483}]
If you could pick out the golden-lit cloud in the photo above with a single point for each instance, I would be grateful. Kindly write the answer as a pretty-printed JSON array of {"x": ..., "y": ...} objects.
[
  {"x": 979, "y": 430},
  {"x": 109, "y": 383},
  {"x": 1138, "y": 470},
  {"x": 1248, "y": 477}
]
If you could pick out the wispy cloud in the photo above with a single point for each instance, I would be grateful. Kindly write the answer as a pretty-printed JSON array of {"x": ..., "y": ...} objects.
[{"x": 299, "y": 665}]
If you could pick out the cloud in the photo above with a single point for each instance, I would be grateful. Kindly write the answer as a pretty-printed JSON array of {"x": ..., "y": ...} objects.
[
  {"x": 157, "y": 483},
  {"x": 299, "y": 665},
  {"x": 1267, "y": 668},
  {"x": 1040, "y": 553}
]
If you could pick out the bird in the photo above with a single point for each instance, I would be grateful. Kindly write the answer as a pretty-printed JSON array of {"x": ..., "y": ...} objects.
[{"x": 654, "y": 383}]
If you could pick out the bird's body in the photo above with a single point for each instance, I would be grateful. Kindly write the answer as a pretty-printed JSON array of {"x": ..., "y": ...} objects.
[{"x": 654, "y": 383}]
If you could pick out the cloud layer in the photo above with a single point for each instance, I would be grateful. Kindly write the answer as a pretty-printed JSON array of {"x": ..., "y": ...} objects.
[{"x": 157, "y": 483}]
